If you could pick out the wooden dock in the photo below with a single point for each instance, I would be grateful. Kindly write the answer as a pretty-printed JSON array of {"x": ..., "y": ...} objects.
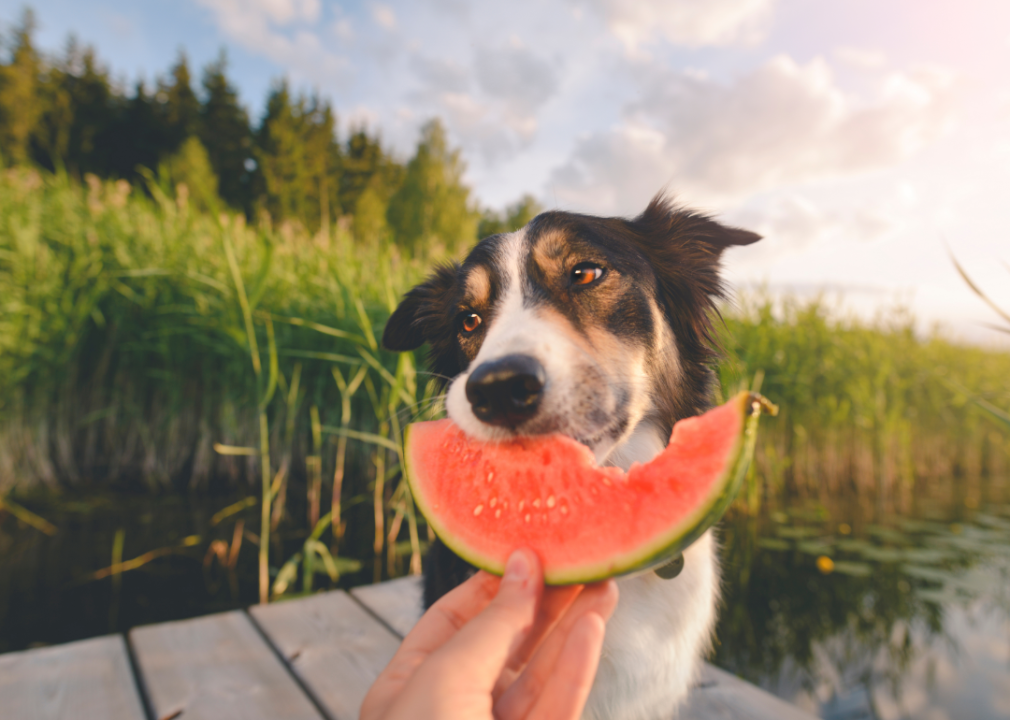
[{"x": 304, "y": 659}]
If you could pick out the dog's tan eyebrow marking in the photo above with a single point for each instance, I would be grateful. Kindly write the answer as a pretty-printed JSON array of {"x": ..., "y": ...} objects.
[
  {"x": 478, "y": 286},
  {"x": 550, "y": 251}
]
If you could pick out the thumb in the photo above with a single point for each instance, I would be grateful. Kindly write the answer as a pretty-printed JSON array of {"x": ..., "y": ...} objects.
[{"x": 485, "y": 643}]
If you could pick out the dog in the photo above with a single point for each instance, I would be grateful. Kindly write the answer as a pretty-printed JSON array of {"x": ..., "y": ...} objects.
[{"x": 600, "y": 328}]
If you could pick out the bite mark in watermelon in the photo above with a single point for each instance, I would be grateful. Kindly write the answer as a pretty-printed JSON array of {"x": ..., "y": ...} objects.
[{"x": 586, "y": 522}]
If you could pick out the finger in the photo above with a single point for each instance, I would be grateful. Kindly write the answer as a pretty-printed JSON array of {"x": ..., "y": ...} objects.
[
  {"x": 436, "y": 626},
  {"x": 565, "y": 693},
  {"x": 484, "y": 645},
  {"x": 452, "y": 611},
  {"x": 553, "y": 604},
  {"x": 520, "y": 697}
]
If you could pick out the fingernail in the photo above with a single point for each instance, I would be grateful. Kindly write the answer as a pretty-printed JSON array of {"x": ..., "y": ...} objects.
[{"x": 518, "y": 567}]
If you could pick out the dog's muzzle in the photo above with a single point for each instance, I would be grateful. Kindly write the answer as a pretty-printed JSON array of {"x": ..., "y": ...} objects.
[{"x": 506, "y": 391}]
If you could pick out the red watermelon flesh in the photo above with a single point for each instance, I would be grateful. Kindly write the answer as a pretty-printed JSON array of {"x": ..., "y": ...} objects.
[{"x": 585, "y": 522}]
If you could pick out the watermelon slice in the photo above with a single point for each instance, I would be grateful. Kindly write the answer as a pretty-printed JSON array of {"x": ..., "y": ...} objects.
[{"x": 585, "y": 522}]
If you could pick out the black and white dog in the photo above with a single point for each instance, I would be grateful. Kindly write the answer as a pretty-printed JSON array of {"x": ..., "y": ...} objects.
[{"x": 600, "y": 329}]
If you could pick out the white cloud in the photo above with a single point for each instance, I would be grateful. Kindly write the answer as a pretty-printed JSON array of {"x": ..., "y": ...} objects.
[
  {"x": 280, "y": 30},
  {"x": 491, "y": 103},
  {"x": 385, "y": 16},
  {"x": 792, "y": 222},
  {"x": 861, "y": 58},
  {"x": 782, "y": 124},
  {"x": 283, "y": 12},
  {"x": 515, "y": 75},
  {"x": 684, "y": 22},
  {"x": 342, "y": 29}
]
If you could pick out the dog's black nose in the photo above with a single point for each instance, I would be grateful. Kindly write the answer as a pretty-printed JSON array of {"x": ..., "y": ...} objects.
[{"x": 506, "y": 391}]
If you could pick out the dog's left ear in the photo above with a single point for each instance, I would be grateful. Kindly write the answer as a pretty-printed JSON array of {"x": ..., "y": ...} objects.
[
  {"x": 422, "y": 312},
  {"x": 666, "y": 224},
  {"x": 684, "y": 249}
]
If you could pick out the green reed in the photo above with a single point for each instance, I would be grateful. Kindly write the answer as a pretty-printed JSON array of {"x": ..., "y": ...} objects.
[
  {"x": 143, "y": 343},
  {"x": 867, "y": 406}
]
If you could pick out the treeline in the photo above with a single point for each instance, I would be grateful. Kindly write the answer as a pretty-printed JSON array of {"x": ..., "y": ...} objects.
[{"x": 65, "y": 113}]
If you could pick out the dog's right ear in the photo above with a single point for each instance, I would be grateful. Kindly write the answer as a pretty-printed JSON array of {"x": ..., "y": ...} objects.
[{"x": 424, "y": 313}]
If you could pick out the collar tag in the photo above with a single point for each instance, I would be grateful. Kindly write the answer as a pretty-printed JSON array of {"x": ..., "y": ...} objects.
[{"x": 672, "y": 569}]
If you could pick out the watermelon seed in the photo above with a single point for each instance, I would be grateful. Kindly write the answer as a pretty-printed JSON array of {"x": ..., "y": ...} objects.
[
  {"x": 493, "y": 502},
  {"x": 536, "y": 503},
  {"x": 527, "y": 517},
  {"x": 606, "y": 481},
  {"x": 550, "y": 501},
  {"x": 497, "y": 513},
  {"x": 564, "y": 510},
  {"x": 478, "y": 510},
  {"x": 522, "y": 503},
  {"x": 490, "y": 475}
]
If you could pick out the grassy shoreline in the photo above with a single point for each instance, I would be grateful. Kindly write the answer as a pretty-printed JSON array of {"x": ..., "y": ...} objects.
[{"x": 145, "y": 344}]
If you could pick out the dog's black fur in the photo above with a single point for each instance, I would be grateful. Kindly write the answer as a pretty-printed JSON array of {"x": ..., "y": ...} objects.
[{"x": 672, "y": 254}]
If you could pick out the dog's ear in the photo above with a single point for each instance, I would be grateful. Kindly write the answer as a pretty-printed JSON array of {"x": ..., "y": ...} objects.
[
  {"x": 423, "y": 311},
  {"x": 664, "y": 222},
  {"x": 684, "y": 249}
]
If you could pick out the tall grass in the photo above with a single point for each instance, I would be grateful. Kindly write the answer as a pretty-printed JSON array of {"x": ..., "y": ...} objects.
[
  {"x": 145, "y": 344},
  {"x": 866, "y": 406}
]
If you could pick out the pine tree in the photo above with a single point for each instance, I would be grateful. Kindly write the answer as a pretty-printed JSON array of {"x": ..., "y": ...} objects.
[
  {"x": 368, "y": 179},
  {"x": 280, "y": 153},
  {"x": 20, "y": 101},
  {"x": 323, "y": 160},
  {"x": 190, "y": 166},
  {"x": 226, "y": 135},
  {"x": 431, "y": 207},
  {"x": 298, "y": 156},
  {"x": 515, "y": 216},
  {"x": 178, "y": 104},
  {"x": 141, "y": 140},
  {"x": 362, "y": 159}
]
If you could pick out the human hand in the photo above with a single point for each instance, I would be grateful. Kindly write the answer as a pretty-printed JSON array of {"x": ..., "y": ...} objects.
[{"x": 504, "y": 648}]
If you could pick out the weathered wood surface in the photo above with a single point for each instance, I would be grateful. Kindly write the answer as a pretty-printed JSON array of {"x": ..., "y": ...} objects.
[
  {"x": 396, "y": 602},
  {"x": 718, "y": 695},
  {"x": 216, "y": 667},
  {"x": 85, "y": 679},
  {"x": 334, "y": 645},
  {"x": 303, "y": 659},
  {"x": 723, "y": 696}
]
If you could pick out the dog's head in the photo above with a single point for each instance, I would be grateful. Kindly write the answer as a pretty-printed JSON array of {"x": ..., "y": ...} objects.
[{"x": 581, "y": 325}]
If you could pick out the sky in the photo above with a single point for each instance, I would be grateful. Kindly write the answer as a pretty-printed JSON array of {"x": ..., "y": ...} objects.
[{"x": 868, "y": 141}]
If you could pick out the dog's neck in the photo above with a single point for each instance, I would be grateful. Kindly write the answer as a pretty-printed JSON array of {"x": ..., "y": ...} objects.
[{"x": 644, "y": 443}]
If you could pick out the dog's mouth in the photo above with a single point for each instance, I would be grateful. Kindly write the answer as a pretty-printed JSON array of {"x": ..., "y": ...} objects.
[{"x": 501, "y": 405}]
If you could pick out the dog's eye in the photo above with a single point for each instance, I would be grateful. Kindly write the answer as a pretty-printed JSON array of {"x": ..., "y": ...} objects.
[
  {"x": 469, "y": 321},
  {"x": 586, "y": 273}
]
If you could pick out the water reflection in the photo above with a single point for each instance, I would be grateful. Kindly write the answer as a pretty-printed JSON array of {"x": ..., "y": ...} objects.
[
  {"x": 905, "y": 617},
  {"x": 846, "y": 610}
]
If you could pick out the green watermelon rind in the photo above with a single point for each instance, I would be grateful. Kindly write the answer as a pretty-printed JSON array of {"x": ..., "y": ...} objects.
[{"x": 647, "y": 556}]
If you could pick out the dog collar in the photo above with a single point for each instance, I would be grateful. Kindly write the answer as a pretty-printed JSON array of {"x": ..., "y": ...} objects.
[{"x": 671, "y": 569}]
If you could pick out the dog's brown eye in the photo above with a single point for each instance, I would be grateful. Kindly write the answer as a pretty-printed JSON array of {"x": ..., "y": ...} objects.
[
  {"x": 469, "y": 322},
  {"x": 586, "y": 273}
]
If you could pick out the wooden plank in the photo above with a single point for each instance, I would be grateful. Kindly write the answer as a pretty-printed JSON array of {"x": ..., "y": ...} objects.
[
  {"x": 216, "y": 667},
  {"x": 719, "y": 695},
  {"x": 85, "y": 679},
  {"x": 334, "y": 646},
  {"x": 723, "y": 696},
  {"x": 396, "y": 602}
]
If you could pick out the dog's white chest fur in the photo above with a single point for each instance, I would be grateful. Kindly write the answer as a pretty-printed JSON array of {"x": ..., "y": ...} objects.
[
  {"x": 660, "y": 630},
  {"x": 656, "y": 639}
]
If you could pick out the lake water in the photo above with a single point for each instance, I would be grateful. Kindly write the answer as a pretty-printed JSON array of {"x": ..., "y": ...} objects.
[{"x": 849, "y": 611}]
